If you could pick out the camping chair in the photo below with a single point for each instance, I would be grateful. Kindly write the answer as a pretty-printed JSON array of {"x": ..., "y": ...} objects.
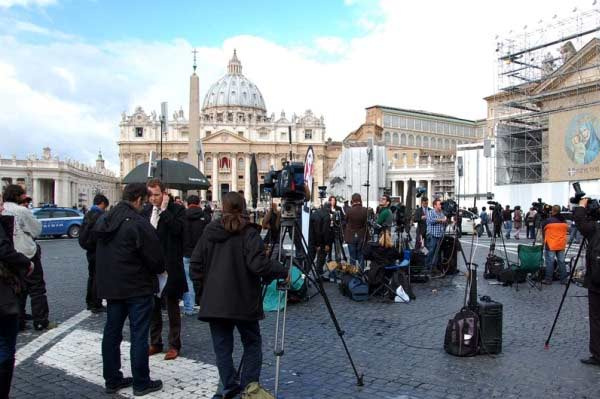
[
  {"x": 386, "y": 286},
  {"x": 531, "y": 261}
]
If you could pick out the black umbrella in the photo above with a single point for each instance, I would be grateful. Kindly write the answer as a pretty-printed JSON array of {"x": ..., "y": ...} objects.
[
  {"x": 254, "y": 181},
  {"x": 174, "y": 174}
]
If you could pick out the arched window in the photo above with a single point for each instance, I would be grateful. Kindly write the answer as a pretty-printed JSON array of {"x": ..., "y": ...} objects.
[
  {"x": 387, "y": 137},
  {"x": 411, "y": 140},
  {"x": 240, "y": 163},
  {"x": 263, "y": 164},
  {"x": 453, "y": 144},
  {"x": 439, "y": 144},
  {"x": 208, "y": 164},
  {"x": 446, "y": 144},
  {"x": 403, "y": 139},
  {"x": 224, "y": 163},
  {"x": 395, "y": 139},
  {"x": 419, "y": 143},
  {"x": 426, "y": 142}
]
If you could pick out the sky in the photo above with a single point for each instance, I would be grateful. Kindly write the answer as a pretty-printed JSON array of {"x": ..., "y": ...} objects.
[{"x": 68, "y": 68}]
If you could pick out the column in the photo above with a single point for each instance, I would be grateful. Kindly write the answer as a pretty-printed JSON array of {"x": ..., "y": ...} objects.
[
  {"x": 201, "y": 168},
  {"x": 405, "y": 191},
  {"x": 429, "y": 192},
  {"x": 215, "y": 177},
  {"x": 58, "y": 200},
  {"x": 394, "y": 188},
  {"x": 36, "y": 195},
  {"x": 234, "y": 178},
  {"x": 247, "y": 187}
]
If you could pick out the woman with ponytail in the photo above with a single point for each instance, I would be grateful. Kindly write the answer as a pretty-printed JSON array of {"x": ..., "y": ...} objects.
[{"x": 229, "y": 263}]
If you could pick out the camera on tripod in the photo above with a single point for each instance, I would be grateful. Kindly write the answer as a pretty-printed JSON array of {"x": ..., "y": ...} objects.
[
  {"x": 287, "y": 183},
  {"x": 449, "y": 207},
  {"x": 592, "y": 206},
  {"x": 421, "y": 191},
  {"x": 322, "y": 192}
]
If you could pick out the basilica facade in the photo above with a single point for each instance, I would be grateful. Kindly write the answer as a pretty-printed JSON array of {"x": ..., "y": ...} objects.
[{"x": 221, "y": 135}]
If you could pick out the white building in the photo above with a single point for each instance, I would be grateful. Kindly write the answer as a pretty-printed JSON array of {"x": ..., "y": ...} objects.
[{"x": 66, "y": 183}]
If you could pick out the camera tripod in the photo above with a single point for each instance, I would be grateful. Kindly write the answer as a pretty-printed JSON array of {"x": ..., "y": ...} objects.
[
  {"x": 456, "y": 247},
  {"x": 562, "y": 300},
  {"x": 291, "y": 228}
]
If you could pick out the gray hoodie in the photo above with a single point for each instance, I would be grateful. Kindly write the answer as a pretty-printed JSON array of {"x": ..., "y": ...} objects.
[{"x": 27, "y": 227}]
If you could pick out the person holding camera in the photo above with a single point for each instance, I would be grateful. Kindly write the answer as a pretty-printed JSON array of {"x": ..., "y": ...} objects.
[
  {"x": 555, "y": 241},
  {"x": 229, "y": 262},
  {"x": 421, "y": 220},
  {"x": 436, "y": 224},
  {"x": 591, "y": 231},
  {"x": 355, "y": 233}
]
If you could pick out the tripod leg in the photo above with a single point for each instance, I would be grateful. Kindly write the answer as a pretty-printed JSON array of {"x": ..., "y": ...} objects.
[
  {"x": 340, "y": 332},
  {"x": 562, "y": 300}
]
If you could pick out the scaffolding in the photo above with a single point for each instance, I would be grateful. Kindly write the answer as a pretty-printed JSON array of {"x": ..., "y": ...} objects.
[{"x": 523, "y": 104}]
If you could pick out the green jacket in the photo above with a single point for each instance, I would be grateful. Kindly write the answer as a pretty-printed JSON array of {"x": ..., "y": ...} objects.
[{"x": 385, "y": 217}]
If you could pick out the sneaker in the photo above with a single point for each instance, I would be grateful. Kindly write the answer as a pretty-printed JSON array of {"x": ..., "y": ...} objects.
[
  {"x": 592, "y": 361},
  {"x": 153, "y": 386},
  {"x": 124, "y": 383},
  {"x": 44, "y": 325}
]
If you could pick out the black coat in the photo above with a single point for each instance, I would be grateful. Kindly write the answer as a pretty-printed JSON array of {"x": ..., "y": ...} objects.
[
  {"x": 128, "y": 255},
  {"x": 14, "y": 266},
  {"x": 229, "y": 268},
  {"x": 195, "y": 222},
  {"x": 591, "y": 231},
  {"x": 85, "y": 233},
  {"x": 170, "y": 234}
]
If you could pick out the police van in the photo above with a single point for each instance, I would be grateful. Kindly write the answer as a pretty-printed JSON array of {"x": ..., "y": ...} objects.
[{"x": 57, "y": 222}]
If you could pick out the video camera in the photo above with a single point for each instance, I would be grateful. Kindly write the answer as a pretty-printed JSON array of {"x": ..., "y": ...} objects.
[
  {"x": 449, "y": 207},
  {"x": 542, "y": 209},
  {"x": 287, "y": 183},
  {"x": 421, "y": 191},
  {"x": 592, "y": 206},
  {"x": 322, "y": 192}
]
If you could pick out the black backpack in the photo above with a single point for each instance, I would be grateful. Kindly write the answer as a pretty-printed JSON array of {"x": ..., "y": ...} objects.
[
  {"x": 494, "y": 265},
  {"x": 462, "y": 334}
]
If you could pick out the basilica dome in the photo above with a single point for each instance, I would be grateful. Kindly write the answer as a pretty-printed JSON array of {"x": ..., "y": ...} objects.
[{"x": 234, "y": 90}]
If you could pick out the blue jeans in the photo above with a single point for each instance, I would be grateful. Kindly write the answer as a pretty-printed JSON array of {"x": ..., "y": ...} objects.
[
  {"x": 355, "y": 252},
  {"x": 562, "y": 270},
  {"x": 431, "y": 243},
  {"x": 508, "y": 227},
  {"x": 221, "y": 331},
  {"x": 139, "y": 311},
  {"x": 189, "y": 298}
]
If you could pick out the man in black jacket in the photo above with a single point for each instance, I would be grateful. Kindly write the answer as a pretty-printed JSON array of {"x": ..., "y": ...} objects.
[
  {"x": 421, "y": 220},
  {"x": 195, "y": 222},
  {"x": 168, "y": 219},
  {"x": 128, "y": 258},
  {"x": 590, "y": 229},
  {"x": 13, "y": 265},
  {"x": 94, "y": 303}
]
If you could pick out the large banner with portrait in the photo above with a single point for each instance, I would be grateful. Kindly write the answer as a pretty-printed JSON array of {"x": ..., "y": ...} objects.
[
  {"x": 574, "y": 144},
  {"x": 309, "y": 173}
]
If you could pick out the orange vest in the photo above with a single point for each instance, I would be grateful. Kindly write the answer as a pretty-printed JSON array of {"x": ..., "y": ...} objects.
[{"x": 555, "y": 236}]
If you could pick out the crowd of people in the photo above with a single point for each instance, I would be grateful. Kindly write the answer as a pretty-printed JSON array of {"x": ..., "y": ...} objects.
[{"x": 150, "y": 251}]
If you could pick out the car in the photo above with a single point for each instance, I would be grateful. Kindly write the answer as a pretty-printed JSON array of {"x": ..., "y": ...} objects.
[
  {"x": 470, "y": 222},
  {"x": 57, "y": 222}
]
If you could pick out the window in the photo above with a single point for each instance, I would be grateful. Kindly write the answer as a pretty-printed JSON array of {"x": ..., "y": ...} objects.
[
  {"x": 396, "y": 121},
  {"x": 263, "y": 164},
  {"x": 426, "y": 126},
  {"x": 396, "y": 156},
  {"x": 240, "y": 163},
  {"x": 224, "y": 163},
  {"x": 207, "y": 133},
  {"x": 418, "y": 124},
  {"x": 453, "y": 129},
  {"x": 308, "y": 134},
  {"x": 426, "y": 142},
  {"x": 395, "y": 139},
  {"x": 387, "y": 120},
  {"x": 446, "y": 128},
  {"x": 411, "y": 140},
  {"x": 440, "y": 127},
  {"x": 59, "y": 214},
  {"x": 139, "y": 132},
  {"x": 387, "y": 137},
  {"x": 403, "y": 139},
  {"x": 403, "y": 123},
  {"x": 42, "y": 215},
  {"x": 241, "y": 134},
  {"x": 208, "y": 164},
  {"x": 418, "y": 143},
  {"x": 410, "y": 124},
  {"x": 263, "y": 134}
]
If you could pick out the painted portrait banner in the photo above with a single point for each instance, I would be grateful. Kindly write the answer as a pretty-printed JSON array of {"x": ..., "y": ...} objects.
[
  {"x": 309, "y": 173},
  {"x": 574, "y": 145}
]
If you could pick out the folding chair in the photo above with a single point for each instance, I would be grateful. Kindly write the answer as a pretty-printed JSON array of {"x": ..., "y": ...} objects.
[
  {"x": 531, "y": 261},
  {"x": 385, "y": 287}
]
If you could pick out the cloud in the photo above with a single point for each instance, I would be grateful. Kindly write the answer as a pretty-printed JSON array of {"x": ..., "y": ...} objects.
[
  {"x": 68, "y": 93},
  {"x": 26, "y": 3},
  {"x": 23, "y": 26}
]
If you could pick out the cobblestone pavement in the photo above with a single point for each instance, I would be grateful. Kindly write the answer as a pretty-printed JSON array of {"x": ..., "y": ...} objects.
[{"x": 397, "y": 346}]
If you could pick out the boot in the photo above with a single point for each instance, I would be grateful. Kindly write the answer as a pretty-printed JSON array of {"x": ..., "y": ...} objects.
[{"x": 6, "y": 372}]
